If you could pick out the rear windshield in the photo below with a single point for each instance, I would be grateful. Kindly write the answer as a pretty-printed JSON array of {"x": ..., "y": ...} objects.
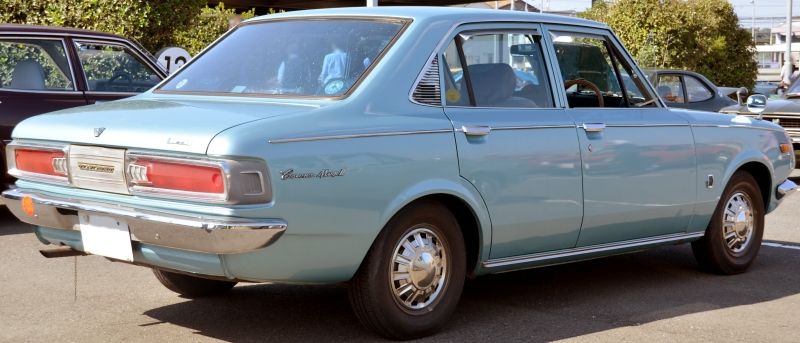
[{"x": 323, "y": 57}]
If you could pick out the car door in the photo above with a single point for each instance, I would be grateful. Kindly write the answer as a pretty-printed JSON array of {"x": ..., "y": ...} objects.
[
  {"x": 637, "y": 156},
  {"x": 35, "y": 78},
  {"x": 112, "y": 70},
  {"x": 515, "y": 144}
]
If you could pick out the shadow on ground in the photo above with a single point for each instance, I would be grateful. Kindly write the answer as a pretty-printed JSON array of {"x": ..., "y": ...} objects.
[
  {"x": 536, "y": 305},
  {"x": 10, "y": 225}
]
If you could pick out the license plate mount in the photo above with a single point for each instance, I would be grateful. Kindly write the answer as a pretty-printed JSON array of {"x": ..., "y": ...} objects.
[{"x": 106, "y": 236}]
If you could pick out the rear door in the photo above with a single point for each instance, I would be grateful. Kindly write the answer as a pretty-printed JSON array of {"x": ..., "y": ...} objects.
[
  {"x": 515, "y": 144},
  {"x": 35, "y": 78},
  {"x": 639, "y": 168},
  {"x": 112, "y": 70}
]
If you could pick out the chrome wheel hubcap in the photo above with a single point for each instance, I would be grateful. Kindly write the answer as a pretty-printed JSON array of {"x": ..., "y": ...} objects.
[
  {"x": 419, "y": 269},
  {"x": 738, "y": 223}
]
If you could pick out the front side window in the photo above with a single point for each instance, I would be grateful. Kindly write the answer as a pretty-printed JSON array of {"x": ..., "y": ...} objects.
[
  {"x": 695, "y": 90},
  {"x": 324, "y": 57},
  {"x": 112, "y": 68},
  {"x": 595, "y": 75},
  {"x": 670, "y": 88},
  {"x": 502, "y": 70},
  {"x": 34, "y": 64}
]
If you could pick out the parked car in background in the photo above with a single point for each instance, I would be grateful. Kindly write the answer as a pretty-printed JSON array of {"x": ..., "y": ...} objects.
[
  {"x": 768, "y": 88},
  {"x": 43, "y": 69},
  {"x": 686, "y": 89},
  {"x": 341, "y": 149},
  {"x": 783, "y": 110}
]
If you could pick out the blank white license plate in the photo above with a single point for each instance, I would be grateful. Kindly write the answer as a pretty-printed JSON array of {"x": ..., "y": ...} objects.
[{"x": 106, "y": 236}]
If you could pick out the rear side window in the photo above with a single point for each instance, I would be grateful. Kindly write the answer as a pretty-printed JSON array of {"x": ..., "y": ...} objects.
[
  {"x": 670, "y": 88},
  {"x": 496, "y": 70},
  {"x": 112, "y": 68},
  {"x": 34, "y": 64},
  {"x": 695, "y": 89}
]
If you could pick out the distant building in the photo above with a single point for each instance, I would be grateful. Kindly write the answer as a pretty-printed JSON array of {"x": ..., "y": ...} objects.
[{"x": 770, "y": 57}]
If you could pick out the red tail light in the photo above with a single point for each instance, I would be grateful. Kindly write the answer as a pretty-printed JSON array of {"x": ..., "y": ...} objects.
[
  {"x": 46, "y": 162},
  {"x": 169, "y": 175}
]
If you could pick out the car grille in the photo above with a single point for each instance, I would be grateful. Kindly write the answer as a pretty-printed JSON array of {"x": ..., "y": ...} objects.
[{"x": 789, "y": 123}]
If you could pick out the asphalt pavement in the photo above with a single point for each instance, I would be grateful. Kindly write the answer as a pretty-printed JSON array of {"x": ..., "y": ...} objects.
[{"x": 653, "y": 296}]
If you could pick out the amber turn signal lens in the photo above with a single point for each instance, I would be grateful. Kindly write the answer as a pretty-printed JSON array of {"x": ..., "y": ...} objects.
[
  {"x": 786, "y": 148},
  {"x": 27, "y": 206}
]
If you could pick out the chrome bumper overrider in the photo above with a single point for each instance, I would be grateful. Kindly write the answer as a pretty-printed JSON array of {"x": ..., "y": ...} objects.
[
  {"x": 215, "y": 236},
  {"x": 786, "y": 188}
]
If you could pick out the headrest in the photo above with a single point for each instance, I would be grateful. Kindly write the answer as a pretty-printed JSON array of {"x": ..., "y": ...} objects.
[
  {"x": 27, "y": 74},
  {"x": 664, "y": 91},
  {"x": 492, "y": 83}
]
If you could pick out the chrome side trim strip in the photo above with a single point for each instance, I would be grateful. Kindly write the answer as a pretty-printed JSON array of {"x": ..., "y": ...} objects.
[
  {"x": 533, "y": 127},
  {"x": 648, "y": 125},
  {"x": 357, "y": 135},
  {"x": 736, "y": 126},
  {"x": 507, "y": 261}
]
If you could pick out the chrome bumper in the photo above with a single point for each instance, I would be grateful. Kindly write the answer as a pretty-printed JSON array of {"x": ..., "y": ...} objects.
[
  {"x": 786, "y": 188},
  {"x": 214, "y": 236}
]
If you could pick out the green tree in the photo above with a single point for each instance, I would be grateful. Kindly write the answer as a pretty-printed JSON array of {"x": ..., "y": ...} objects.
[
  {"x": 154, "y": 23},
  {"x": 699, "y": 35}
]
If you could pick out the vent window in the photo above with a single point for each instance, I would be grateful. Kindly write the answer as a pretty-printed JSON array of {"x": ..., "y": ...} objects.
[{"x": 427, "y": 90}]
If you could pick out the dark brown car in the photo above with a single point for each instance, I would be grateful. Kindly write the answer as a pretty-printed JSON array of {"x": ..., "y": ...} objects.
[{"x": 43, "y": 69}]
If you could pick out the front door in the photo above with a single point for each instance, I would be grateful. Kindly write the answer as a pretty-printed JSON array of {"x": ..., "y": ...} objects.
[
  {"x": 517, "y": 148},
  {"x": 639, "y": 169}
]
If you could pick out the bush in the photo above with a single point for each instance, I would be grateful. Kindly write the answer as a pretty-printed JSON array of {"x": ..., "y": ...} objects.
[
  {"x": 154, "y": 23},
  {"x": 206, "y": 27},
  {"x": 699, "y": 35}
]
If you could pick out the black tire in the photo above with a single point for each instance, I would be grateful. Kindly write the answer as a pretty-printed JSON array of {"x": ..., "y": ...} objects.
[
  {"x": 191, "y": 286},
  {"x": 712, "y": 251},
  {"x": 372, "y": 293}
]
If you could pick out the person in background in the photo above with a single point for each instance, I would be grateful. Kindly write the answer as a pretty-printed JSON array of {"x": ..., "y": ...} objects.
[
  {"x": 289, "y": 72},
  {"x": 333, "y": 66}
]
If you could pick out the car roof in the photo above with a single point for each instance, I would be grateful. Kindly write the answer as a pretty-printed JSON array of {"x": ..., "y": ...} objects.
[
  {"x": 54, "y": 30},
  {"x": 424, "y": 13}
]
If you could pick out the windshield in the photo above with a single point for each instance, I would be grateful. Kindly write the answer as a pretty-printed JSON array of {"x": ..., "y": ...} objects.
[
  {"x": 294, "y": 57},
  {"x": 794, "y": 88}
]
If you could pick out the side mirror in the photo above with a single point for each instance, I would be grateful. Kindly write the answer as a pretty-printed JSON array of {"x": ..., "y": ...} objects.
[
  {"x": 757, "y": 103},
  {"x": 740, "y": 95}
]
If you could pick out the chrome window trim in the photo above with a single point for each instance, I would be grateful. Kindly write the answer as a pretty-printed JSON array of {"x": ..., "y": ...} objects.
[
  {"x": 357, "y": 135},
  {"x": 509, "y": 261},
  {"x": 11, "y": 162},
  {"x": 405, "y": 21},
  {"x": 126, "y": 47},
  {"x": 72, "y": 75}
]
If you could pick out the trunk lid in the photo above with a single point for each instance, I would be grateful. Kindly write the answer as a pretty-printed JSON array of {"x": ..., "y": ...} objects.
[{"x": 157, "y": 124}]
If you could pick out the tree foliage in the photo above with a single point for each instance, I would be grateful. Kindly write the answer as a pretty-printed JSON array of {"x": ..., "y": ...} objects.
[
  {"x": 698, "y": 35},
  {"x": 154, "y": 23}
]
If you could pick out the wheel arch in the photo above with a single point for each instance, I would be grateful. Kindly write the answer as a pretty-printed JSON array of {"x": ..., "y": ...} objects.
[
  {"x": 763, "y": 176},
  {"x": 466, "y": 205}
]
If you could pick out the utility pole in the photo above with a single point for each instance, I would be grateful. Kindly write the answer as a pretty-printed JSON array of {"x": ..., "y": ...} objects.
[
  {"x": 787, "y": 58},
  {"x": 753, "y": 28}
]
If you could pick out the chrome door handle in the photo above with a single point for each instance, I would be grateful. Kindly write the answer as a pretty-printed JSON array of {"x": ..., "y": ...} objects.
[
  {"x": 594, "y": 127},
  {"x": 476, "y": 131}
]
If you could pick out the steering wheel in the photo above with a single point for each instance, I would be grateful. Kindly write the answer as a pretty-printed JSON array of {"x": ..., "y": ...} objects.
[
  {"x": 117, "y": 76},
  {"x": 587, "y": 84}
]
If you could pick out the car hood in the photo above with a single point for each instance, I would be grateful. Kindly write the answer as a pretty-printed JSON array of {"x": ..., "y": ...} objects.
[
  {"x": 774, "y": 106},
  {"x": 159, "y": 124}
]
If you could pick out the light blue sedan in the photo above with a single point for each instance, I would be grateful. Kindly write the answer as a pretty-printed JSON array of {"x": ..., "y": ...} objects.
[{"x": 337, "y": 146}]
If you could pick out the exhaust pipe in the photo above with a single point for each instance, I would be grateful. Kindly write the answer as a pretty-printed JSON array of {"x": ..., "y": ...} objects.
[{"x": 61, "y": 252}]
